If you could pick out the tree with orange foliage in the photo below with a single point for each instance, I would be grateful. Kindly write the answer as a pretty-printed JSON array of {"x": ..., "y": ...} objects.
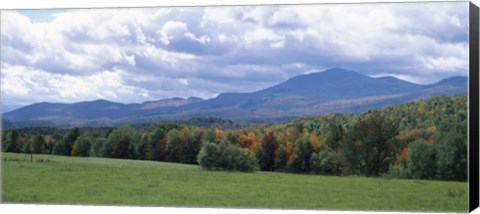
[
  {"x": 249, "y": 142},
  {"x": 219, "y": 134},
  {"x": 316, "y": 141}
]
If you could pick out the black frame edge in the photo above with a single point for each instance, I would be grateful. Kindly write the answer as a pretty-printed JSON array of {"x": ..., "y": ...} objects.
[{"x": 474, "y": 118}]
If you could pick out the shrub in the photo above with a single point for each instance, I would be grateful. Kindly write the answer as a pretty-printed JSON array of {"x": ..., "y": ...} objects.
[
  {"x": 395, "y": 171},
  {"x": 225, "y": 156}
]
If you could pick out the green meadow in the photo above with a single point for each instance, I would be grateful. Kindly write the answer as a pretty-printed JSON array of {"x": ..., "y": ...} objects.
[{"x": 100, "y": 181}]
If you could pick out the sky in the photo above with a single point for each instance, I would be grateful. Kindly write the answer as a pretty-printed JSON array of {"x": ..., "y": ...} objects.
[{"x": 144, "y": 54}]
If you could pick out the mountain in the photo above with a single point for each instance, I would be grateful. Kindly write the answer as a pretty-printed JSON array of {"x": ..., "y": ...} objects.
[
  {"x": 456, "y": 81},
  {"x": 172, "y": 102},
  {"x": 7, "y": 108},
  {"x": 332, "y": 84},
  {"x": 98, "y": 110},
  {"x": 339, "y": 84},
  {"x": 332, "y": 91},
  {"x": 402, "y": 83}
]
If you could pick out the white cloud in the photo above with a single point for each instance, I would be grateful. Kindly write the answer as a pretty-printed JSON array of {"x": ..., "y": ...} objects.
[
  {"x": 175, "y": 30},
  {"x": 34, "y": 85},
  {"x": 183, "y": 81},
  {"x": 171, "y": 30},
  {"x": 264, "y": 35},
  {"x": 202, "y": 39},
  {"x": 284, "y": 17},
  {"x": 443, "y": 64},
  {"x": 219, "y": 15},
  {"x": 132, "y": 55}
]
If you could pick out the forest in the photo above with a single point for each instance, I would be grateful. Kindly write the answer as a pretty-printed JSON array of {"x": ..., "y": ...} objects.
[{"x": 425, "y": 139}]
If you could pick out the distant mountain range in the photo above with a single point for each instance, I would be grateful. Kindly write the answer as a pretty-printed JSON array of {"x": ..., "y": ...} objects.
[{"x": 332, "y": 91}]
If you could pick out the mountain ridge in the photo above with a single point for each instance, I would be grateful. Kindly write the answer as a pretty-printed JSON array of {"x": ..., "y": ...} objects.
[{"x": 334, "y": 90}]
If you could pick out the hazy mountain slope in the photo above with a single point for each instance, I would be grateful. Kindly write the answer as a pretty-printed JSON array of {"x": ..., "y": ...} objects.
[
  {"x": 331, "y": 91},
  {"x": 92, "y": 110}
]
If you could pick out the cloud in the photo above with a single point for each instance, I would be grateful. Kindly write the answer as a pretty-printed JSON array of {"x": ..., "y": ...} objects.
[
  {"x": 134, "y": 55},
  {"x": 261, "y": 35},
  {"x": 172, "y": 30},
  {"x": 27, "y": 85},
  {"x": 174, "y": 35},
  {"x": 183, "y": 81},
  {"x": 284, "y": 18}
]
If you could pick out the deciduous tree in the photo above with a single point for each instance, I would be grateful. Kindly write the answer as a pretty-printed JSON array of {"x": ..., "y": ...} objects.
[
  {"x": 267, "y": 152},
  {"x": 11, "y": 141},
  {"x": 451, "y": 147},
  {"x": 371, "y": 145}
]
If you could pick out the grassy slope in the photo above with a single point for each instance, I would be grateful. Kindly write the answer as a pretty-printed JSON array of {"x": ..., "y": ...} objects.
[{"x": 69, "y": 180}]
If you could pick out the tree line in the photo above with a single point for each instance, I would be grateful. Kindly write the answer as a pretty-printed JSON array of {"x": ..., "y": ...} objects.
[{"x": 425, "y": 139}]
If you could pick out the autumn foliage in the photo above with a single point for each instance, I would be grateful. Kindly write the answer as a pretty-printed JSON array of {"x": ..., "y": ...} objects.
[{"x": 424, "y": 139}]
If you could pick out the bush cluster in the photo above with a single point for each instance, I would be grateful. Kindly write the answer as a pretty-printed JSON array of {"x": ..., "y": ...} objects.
[{"x": 225, "y": 156}]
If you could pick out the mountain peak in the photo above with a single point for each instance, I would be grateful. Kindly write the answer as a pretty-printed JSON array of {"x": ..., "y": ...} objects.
[
  {"x": 329, "y": 76},
  {"x": 335, "y": 69},
  {"x": 456, "y": 80},
  {"x": 338, "y": 83},
  {"x": 99, "y": 101},
  {"x": 333, "y": 72}
]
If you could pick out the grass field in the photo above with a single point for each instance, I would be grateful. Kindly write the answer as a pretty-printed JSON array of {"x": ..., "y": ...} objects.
[{"x": 99, "y": 181}]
